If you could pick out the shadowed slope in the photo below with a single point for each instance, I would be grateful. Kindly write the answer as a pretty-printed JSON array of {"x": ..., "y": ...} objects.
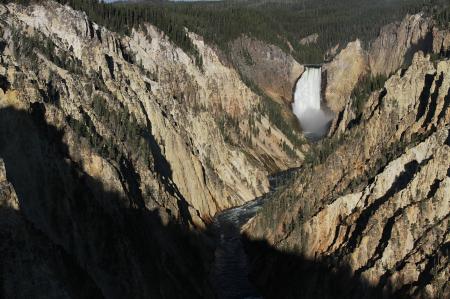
[{"x": 84, "y": 241}]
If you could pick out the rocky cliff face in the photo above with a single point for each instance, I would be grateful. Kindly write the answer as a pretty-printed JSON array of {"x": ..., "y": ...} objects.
[
  {"x": 392, "y": 50},
  {"x": 373, "y": 215},
  {"x": 441, "y": 42},
  {"x": 397, "y": 44},
  {"x": 185, "y": 111},
  {"x": 269, "y": 67},
  {"x": 113, "y": 148},
  {"x": 343, "y": 73}
]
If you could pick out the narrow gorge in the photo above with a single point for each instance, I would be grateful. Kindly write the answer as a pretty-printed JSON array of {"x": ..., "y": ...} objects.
[{"x": 230, "y": 150}]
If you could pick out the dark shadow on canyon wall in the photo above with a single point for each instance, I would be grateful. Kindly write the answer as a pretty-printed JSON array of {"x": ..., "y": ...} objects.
[
  {"x": 72, "y": 238},
  {"x": 286, "y": 275},
  {"x": 425, "y": 44}
]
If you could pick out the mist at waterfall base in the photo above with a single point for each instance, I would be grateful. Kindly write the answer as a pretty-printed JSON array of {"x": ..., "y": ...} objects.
[{"x": 307, "y": 104}]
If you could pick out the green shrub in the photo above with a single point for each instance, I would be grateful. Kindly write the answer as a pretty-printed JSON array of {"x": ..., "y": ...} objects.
[
  {"x": 364, "y": 89},
  {"x": 320, "y": 151}
]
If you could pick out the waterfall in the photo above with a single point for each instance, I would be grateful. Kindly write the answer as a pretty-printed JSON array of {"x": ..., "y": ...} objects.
[{"x": 307, "y": 103}]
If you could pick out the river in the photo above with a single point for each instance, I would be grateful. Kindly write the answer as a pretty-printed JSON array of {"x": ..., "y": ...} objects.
[{"x": 230, "y": 269}]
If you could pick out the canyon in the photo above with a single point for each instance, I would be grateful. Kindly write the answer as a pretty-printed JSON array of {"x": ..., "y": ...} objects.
[
  {"x": 129, "y": 170},
  {"x": 372, "y": 214}
]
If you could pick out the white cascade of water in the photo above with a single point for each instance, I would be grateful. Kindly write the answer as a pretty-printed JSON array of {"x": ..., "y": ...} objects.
[{"x": 307, "y": 100}]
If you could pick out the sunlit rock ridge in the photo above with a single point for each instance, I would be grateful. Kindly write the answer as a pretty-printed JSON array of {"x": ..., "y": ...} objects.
[{"x": 370, "y": 211}]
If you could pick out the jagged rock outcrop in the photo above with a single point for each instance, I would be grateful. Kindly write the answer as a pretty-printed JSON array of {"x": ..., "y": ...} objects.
[
  {"x": 398, "y": 42},
  {"x": 394, "y": 47},
  {"x": 441, "y": 42},
  {"x": 343, "y": 73},
  {"x": 374, "y": 214},
  {"x": 391, "y": 50}
]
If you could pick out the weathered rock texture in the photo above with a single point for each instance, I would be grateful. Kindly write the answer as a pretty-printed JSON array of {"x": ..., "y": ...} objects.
[
  {"x": 116, "y": 146},
  {"x": 165, "y": 92},
  {"x": 310, "y": 39},
  {"x": 397, "y": 43},
  {"x": 441, "y": 42},
  {"x": 343, "y": 73},
  {"x": 269, "y": 67},
  {"x": 372, "y": 218},
  {"x": 392, "y": 50},
  {"x": 85, "y": 212}
]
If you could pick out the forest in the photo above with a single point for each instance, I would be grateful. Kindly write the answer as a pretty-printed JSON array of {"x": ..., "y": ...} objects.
[
  {"x": 285, "y": 23},
  {"x": 282, "y": 23}
]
